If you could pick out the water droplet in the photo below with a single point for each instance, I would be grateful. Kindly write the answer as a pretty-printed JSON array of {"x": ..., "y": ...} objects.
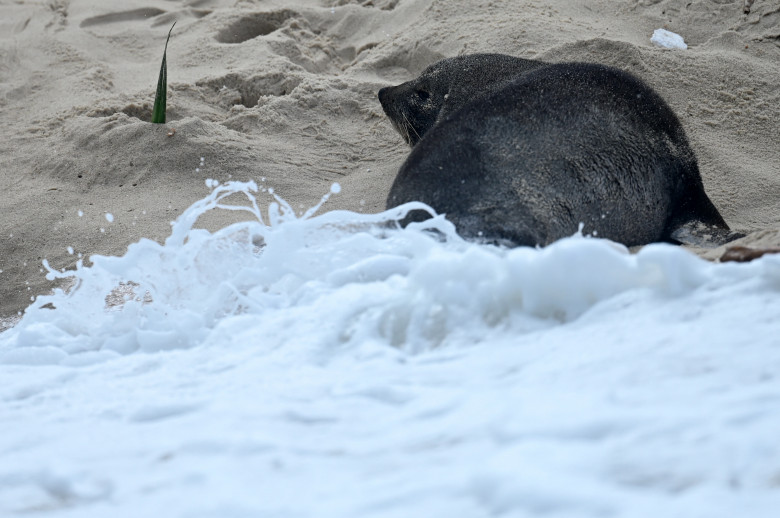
[
  {"x": 109, "y": 217},
  {"x": 335, "y": 188}
]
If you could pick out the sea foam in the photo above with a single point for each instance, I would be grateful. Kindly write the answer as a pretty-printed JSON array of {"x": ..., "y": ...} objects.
[{"x": 338, "y": 278}]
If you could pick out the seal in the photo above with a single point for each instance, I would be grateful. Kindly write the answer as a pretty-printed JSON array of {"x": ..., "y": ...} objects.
[
  {"x": 536, "y": 155},
  {"x": 446, "y": 86}
]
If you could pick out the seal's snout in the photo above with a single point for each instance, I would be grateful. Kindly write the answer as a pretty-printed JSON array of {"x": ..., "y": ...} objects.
[{"x": 384, "y": 96}]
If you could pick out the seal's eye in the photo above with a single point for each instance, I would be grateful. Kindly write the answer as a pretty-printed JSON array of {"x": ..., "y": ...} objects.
[{"x": 422, "y": 95}]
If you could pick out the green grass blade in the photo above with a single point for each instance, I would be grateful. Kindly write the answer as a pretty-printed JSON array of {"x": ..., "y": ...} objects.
[{"x": 161, "y": 98}]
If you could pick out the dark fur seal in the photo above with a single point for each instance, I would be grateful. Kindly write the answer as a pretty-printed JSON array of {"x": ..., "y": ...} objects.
[{"x": 526, "y": 159}]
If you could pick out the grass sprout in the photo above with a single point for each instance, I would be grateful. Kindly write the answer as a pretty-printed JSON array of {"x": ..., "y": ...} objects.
[{"x": 161, "y": 97}]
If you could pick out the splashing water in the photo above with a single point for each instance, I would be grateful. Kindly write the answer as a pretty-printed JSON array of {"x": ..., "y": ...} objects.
[
  {"x": 342, "y": 276},
  {"x": 429, "y": 375}
]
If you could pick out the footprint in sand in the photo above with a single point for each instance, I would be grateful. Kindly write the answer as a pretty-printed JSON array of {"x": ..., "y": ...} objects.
[
  {"x": 144, "y": 13},
  {"x": 155, "y": 15},
  {"x": 253, "y": 25},
  {"x": 296, "y": 36},
  {"x": 235, "y": 88},
  {"x": 385, "y": 5}
]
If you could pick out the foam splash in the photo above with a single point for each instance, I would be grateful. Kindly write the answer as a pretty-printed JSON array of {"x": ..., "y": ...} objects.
[
  {"x": 668, "y": 40},
  {"x": 331, "y": 280}
]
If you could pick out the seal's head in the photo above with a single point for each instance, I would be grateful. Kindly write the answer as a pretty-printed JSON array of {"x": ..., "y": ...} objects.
[
  {"x": 416, "y": 106},
  {"x": 413, "y": 107}
]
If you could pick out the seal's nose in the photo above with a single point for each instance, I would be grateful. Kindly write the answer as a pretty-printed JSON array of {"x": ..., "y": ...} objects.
[{"x": 383, "y": 93}]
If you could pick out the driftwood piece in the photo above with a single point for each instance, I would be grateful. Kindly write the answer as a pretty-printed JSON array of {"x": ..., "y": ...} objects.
[{"x": 744, "y": 254}]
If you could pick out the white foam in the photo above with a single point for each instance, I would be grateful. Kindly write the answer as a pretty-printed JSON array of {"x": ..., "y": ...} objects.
[
  {"x": 668, "y": 39},
  {"x": 393, "y": 372},
  {"x": 424, "y": 289}
]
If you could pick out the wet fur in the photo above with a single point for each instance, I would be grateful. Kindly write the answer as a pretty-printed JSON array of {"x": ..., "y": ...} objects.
[{"x": 524, "y": 152}]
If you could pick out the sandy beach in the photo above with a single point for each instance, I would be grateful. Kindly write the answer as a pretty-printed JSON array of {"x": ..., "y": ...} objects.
[
  {"x": 336, "y": 364},
  {"x": 284, "y": 93}
]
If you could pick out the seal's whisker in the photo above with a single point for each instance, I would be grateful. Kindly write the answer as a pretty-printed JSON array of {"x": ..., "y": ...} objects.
[{"x": 410, "y": 127}]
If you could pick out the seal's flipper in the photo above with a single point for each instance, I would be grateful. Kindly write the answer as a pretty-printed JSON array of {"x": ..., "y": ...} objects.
[{"x": 703, "y": 235}]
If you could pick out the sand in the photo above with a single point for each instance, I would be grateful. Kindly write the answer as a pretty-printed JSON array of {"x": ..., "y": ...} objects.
[{"x": 284, "y": 93}]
